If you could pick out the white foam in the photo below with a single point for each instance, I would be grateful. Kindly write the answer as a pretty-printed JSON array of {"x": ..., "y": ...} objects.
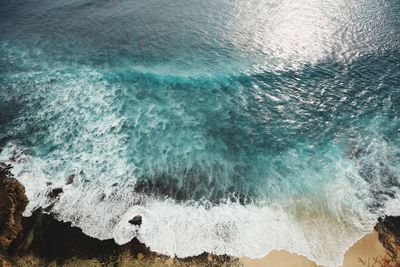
[
  {"x": 321, "y": 226},
  {"x": 321, "y": 229},
  {"x": 186, "y": 230}
]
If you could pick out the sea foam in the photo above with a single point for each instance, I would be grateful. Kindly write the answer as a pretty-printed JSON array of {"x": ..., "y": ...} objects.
[
  {"x": 311, "y": 152},
  {"x": 321, "y": 228}
]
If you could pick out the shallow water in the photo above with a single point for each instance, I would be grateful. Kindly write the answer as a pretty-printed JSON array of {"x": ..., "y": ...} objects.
[{"x": 232, "y": 127}]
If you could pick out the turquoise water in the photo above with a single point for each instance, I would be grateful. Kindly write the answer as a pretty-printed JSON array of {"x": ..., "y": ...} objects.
[{"x": 198, "y": 114}]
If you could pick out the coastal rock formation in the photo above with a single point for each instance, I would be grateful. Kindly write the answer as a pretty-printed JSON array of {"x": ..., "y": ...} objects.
[
  {"x": 45, "y": 241},
  {"x": 12, "y": 203},
  {"x": 41, "y": 240},
  {"x": 388, "y": 229}
]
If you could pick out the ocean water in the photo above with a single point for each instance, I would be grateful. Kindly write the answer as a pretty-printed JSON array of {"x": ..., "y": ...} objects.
[{"x": 232, "y": 127}]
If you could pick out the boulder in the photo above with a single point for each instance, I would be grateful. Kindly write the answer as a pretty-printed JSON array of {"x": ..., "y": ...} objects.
[
  {"x": 137, "y": 220},
  {"x": 55, "y": 192}
]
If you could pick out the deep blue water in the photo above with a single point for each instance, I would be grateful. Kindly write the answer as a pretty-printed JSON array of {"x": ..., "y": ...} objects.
[{"x": 265, "y": 105}]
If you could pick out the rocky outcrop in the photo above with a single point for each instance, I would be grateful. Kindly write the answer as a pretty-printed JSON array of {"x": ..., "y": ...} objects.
[
  {"x": 12, "y": 203},
  {"x": 388, "y": 229},
  {"x": 45, "y": 241},
  {"x": 41, "y": 240},
  {"x": 137, "y": 220}
]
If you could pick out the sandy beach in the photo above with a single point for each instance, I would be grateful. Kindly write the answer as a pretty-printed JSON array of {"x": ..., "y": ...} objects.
[{"x": 368, "y": 251}]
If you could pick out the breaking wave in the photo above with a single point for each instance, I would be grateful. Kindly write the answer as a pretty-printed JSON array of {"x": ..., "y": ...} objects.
[{"x": 230, "y": 141}]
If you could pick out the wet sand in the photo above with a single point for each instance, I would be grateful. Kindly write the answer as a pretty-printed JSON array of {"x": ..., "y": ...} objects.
[{"x": 368, "y": 251}]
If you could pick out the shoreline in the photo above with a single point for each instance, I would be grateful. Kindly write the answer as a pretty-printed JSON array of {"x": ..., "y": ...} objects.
[
  {"x": 42, "y": 240},
  {"x": 60, "y": 244},
  {"x": 364, "y": 252}
]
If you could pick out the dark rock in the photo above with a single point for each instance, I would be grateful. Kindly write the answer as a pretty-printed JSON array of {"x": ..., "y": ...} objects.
[
  {"x": 388, "y": 229},
  {"x": 60, "y": 242},
  {"x": 12, "y": 203},
  {"x": 55, "y": 192},
  {"x": 48, "y": 238},
  {"x": 48, "y": 208},
  {"x": 4, "y": 262},
  {"x": 41, "y": 240},
  {"x": 137, "y": 220}
]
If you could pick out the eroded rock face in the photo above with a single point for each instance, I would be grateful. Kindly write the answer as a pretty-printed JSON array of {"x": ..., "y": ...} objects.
[
  {"x": 12, "y": 203},
  {"x": 389, "y": 235}
]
